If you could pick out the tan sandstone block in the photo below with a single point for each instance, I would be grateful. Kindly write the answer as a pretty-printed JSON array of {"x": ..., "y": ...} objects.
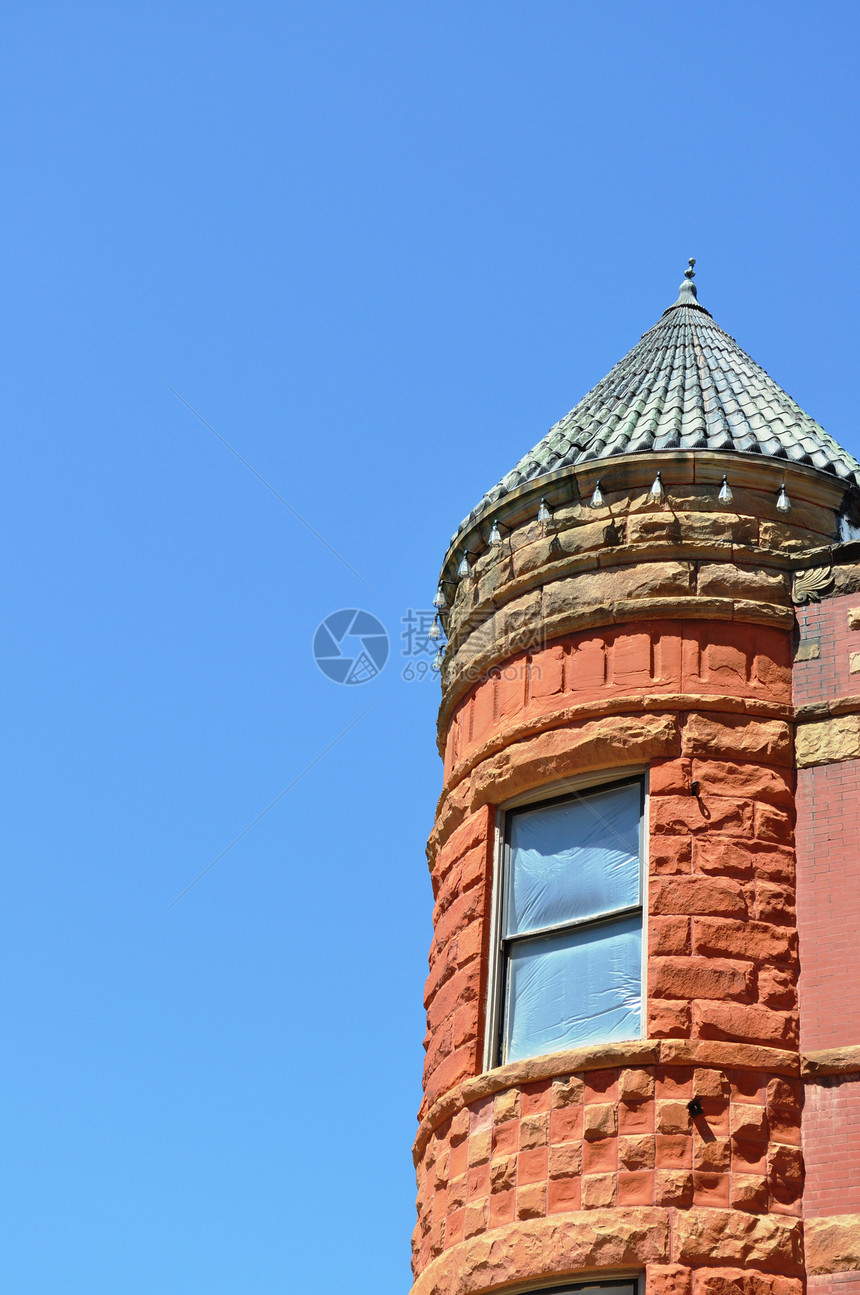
[
  {"x": 828, "y": 741},
  {"x": 833, "y": 1244}
]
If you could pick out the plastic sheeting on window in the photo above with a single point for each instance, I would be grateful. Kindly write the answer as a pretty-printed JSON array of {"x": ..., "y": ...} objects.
[
  {"x": 574, "y": 860},
  {"x": 579, "y": 986}
]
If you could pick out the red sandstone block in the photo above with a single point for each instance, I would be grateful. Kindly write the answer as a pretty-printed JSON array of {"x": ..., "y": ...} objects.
[
  {"x": 503, "y": 1173},
  {"x": 777, "y": 988},
  {"x": 477, "y": 1182},
  {"x": 674, "y": 1082},
  {"x": 784, "y": 1167},
  {"x": 635, "y": 1085},
  {"x": 749, "y": 1123},
  {"x": 709, "y": 1083},
  {"x": 506, "y": 1137},
  {"x": 565, "y": 1159},
  {"x": 463, "y": 910},
  {"x": 563, "y": 1194},
  {"x": 565, "y": 1124},
  {"x": 745, "y": 1023},
  {"x": 668, "y": 1019},
  {"x": 712, "y": 1155},
  {"x": 692, "y": 978},
  {"x": 536, "y": 1098},
  {"x": 669, "y": 935},
  {"x": 723, "y": 856},
  {"x": 476, "y": 1218},
  {"x": 696, "y": 895},
  {"x": 546, "y": 675},
  {"x": 534, "y": 1131},
  {"x": 749, "y": 1157},
  {"x": 600, "y": 1157},
  {"x": 474, "y": 867},
  {"x": 751, "y": 781},
  {"x": 506, "y": 1106},
  {"x": 635, "y": 1187},
  {"x": 458, "y": 1160},
  {"x": 711, "y": 1190},
  {"x": 669, "y": 855},
  {"x": 749, "y": 1193},
  {"x": 748, "y": 1086},
  {"x": 636, "y": 1152},
  {"x": 462, "y": 987},
  {"x": 764, "y": 741},
  {"x": 674, "y": 1151},
  {"x": 677, "y": 815},
  {"x": 669, "y": 777},
  {"x": 532, "y": 1166},
  {"x": 600, "y": 1121},
  {"x": 672, "y": 1117},
  {"x": 503, "y": 1208},
  {"x": 454, "y": 1227},
  {"x": 668, "y": 1279},
  {"x": 636, "y": 1120},
  {"x": 773, "y": 824},
  {"x": 476, "y": 828},
  {"x": 673, "y": 1187},
  {"x": 600, "y": 1086},
  {"x": 531, "y": 1201},
  {"x": 567, "y": 1092},
  {"x": 450, "y": 1071},
  {"x": 758, "y": 941},
  {"x": 598, "y": 1191}
]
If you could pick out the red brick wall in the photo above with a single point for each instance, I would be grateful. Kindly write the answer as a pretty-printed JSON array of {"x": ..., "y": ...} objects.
[
  {"x": 831, "y": 1139},
  {"x": 828, "y": 904},
  {"x": 829, "y": 675}
]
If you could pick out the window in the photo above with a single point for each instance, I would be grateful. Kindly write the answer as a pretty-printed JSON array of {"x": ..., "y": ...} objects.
[
  {"x": 594, "y": 1288},
  {"x": 569, "y": 955}
]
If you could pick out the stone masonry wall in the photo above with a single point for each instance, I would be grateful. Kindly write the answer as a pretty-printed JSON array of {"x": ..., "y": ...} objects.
[{"x": 595, "y": 1162}]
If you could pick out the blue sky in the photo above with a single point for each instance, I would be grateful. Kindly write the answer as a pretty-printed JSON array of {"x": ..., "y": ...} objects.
[{"x": 379, "y": 248}]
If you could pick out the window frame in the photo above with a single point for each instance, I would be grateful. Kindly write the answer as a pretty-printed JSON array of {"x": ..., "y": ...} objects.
[{"x": 554, "y": 794}]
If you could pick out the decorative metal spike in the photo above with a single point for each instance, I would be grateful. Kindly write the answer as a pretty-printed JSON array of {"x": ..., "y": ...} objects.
[
  {"x": 783, "y": 503},
  {"x": 495, "y": 534},
  {"x": 435, "y": 630},
  {"x": 597, "y": 500},
  {"x": 657, "y": 494},
  {"x": 464, "y": 570},
  {"x": 440, "y": 602},
  {"x": 725, "y": 496},
  {"x": 690, "y": 273},
  {"x": 439, "y": 660}
]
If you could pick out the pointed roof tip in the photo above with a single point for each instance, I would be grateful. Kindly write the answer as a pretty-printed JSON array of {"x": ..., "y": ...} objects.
[{"x": 687, "y": 294}]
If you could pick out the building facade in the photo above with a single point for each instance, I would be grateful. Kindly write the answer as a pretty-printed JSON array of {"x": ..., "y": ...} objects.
[{"x": 643, "y": 1042}]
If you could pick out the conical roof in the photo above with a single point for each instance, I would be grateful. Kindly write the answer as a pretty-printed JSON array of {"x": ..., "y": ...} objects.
[{"x": 685, "y": 385}]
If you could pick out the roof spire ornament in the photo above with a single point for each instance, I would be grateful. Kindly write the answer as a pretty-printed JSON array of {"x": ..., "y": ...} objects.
[{"x": 687, "y": 292}]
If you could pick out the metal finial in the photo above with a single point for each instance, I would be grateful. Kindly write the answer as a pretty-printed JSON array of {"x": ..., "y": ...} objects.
[{"x": 690, "y": 273}]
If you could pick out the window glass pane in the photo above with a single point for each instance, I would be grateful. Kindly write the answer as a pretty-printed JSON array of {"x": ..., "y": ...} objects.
[
  {"x": 577, "y": 859},
  {"x": 582, "y": 986}
]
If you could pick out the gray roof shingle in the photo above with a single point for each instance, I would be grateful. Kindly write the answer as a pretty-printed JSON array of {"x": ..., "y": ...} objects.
[{"x": 686, "y": 384}]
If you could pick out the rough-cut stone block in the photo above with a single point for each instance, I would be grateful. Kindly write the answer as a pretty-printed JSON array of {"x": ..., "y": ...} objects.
[
  {"x": 833, "y": 1244},
  {"x": 738, "y": 737},
  {"x": 534, "y": 1131},
  {"x": 669, "y": 1018},
  {"x": 745, "y": 1022},
  {"x": 673, "y": 1187},
  {"x": 598, "y": 1191},
  {"x": 706, "y": 1236},
  {"x": 565, "y": 1159},
  {"x": 828, "y": 741},
  {"x": 701, "y": 896},
  {"x": 635, "y": 1085},
  {"x": 600, "y": 1120},
  {"x": 668, "y": 1279},
  {"x": 695, "y": 978},
  {"x": 676, "y": 815},
  {"x": 757, "y": 941},
  {"x": 636, "y": 1152}
]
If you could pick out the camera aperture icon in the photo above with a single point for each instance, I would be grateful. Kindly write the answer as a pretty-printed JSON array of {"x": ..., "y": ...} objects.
[{"x": 351, "y": 646}]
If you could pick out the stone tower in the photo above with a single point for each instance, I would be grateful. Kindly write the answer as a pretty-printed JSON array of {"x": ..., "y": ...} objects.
[{"x": 643, "y": 1047}]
